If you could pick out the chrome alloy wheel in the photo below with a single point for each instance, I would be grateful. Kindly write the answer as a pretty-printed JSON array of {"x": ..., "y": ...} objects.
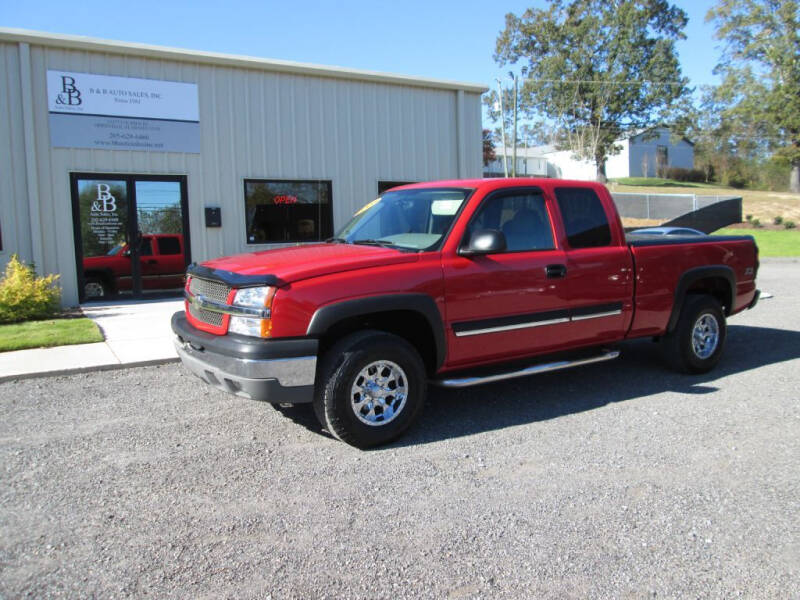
[
  {"x": 379, "y": 392},
  {"x": 93, "y": 289},
  {"x": 705, "y": 336}
]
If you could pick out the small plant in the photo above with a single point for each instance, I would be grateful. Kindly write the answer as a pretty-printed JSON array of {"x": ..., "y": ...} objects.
[
  {"x": 748, "y": 217},
  {"x": 789, "y": 224},
  {"x": 756, "y": 223},
  {"x": 777, "y": 220},
  {"x": 24, "y": 296}
]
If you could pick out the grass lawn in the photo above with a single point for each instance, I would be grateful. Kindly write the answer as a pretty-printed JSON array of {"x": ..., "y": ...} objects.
[
  {"x": 770, "y": 243},
  {"x": 43, "y": 334},
  {"x": 658, "y": 182}
]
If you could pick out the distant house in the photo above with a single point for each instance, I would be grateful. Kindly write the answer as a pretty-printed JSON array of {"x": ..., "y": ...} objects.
[
  {"x": 641, "y": 155},
  {"x": 530, "y": 163}
]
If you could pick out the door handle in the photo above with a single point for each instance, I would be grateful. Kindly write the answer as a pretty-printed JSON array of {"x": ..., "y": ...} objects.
[{"x": 556, "y": 271}]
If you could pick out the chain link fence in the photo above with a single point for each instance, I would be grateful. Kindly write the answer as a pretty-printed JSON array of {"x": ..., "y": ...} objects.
[{"x": 707, "y": 213}]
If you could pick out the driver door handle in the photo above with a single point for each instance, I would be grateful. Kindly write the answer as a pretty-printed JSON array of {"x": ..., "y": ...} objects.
[{"x": 556, "y": 271}]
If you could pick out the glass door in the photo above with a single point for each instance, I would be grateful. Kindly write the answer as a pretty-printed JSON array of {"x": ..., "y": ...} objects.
[
  {"x": 131, "y": 235},
  {"x": 162, "y": 256}
]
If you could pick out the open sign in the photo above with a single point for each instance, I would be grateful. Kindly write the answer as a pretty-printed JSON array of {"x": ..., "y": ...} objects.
[{"x": 285, "y": 199}]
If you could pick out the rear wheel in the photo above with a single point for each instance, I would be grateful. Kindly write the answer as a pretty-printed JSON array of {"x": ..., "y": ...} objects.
[
  {"x": 371, "y": 387},
  {"x": 695, "y": 346}
]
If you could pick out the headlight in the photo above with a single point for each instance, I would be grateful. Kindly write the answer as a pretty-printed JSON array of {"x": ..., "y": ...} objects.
[{"x": 254, "y": 297}]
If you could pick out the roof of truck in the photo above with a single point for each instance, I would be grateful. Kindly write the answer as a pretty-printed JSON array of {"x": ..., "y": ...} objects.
[{"x": 498, "y": 182}]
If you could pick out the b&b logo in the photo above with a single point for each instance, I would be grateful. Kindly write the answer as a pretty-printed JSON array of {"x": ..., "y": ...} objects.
[
  {"x": 105, "y": 200},
  {"x": 70, "y": 95}
]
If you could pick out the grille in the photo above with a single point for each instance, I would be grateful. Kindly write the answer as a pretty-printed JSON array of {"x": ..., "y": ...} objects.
[
  {"x": 213, "y": 290},
  {"x": 206, "y": 316}
]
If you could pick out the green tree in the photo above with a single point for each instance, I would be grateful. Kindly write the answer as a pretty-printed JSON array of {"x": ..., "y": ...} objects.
[
  {"x": 597, "y": 70},
  {"x": 488, "y": 148},
  {"x": 760, "y": 66}
]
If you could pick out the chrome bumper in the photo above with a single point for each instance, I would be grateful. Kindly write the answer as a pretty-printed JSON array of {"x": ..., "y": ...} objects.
[{"x": 275, "y": 380}]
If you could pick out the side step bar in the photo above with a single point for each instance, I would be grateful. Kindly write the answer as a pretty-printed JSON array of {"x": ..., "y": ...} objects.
[{"x": 532, "y": 370}]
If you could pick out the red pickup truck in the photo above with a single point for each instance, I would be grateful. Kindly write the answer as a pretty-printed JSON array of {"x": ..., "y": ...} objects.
[
  {"x": 161, "y": 266},
  {"x": 455, "y": 283}
]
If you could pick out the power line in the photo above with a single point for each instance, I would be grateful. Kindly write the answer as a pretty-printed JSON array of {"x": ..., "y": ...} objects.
[{"x": 610, "y": 82}]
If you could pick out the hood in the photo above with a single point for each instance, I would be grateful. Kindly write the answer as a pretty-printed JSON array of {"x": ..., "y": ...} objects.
[
  {"x": 303, "y": 262},
  {"x": 99, "y": 260}
]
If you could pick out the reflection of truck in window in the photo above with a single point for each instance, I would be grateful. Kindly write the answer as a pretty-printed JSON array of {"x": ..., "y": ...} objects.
[{"x": 161, "y": 265}]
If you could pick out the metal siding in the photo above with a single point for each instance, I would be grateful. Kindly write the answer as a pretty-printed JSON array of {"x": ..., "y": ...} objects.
[
  {"x": 254, "y": 124},
  {"x": 14, "y": 215}
]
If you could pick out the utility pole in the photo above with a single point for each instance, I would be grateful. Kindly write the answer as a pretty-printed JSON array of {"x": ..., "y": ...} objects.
[
  {"x": 503, "y": 127},
  {"x": 514, "y": 137}
]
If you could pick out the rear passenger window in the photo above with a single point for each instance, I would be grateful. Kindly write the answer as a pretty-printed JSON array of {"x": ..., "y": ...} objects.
[
  {"x": 169, "y": 245},
  {"x": 584, "y": 218},
  {"x": 521, "y": 217}
]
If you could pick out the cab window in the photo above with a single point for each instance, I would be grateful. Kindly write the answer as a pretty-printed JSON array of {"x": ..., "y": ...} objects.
[
  {"x": 584, "y": 218},
  {"x": 522, "y": 217}
]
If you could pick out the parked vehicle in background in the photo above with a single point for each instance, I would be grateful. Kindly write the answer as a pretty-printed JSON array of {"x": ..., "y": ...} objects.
[
  {"x": 667, "y": 231},
  {"x": 161, "y": 264},
  {"x": 456, "y": 283}
]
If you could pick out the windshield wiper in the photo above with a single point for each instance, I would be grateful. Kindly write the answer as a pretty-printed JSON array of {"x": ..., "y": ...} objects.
[
  {"x": 335, "y": 240},
  {"x": 371, "y": 242}
]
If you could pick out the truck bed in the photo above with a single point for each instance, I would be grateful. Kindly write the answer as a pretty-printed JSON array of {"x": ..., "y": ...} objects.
[
  {"x": 639, "y": 240},
  {"x": 664, "y": 266}
]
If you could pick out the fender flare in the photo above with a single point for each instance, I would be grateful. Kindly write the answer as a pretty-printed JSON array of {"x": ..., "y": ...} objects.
[
  {"x": 693, "y": 276},
  {"x": 327, "y": 316},
  {"x": 104, "y": 273}
]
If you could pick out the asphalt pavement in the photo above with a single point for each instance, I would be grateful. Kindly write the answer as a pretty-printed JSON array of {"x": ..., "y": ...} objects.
[{"x": 620, "y": 480}]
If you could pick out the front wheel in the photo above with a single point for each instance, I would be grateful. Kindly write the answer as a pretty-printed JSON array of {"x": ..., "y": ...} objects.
[
  {"x": 695, "y": 346},
  {"x": 371, "y": 387},
  {"x": 94, "y": 288}
]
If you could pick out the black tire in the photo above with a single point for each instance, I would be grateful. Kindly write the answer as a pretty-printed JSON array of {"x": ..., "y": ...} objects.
[
  {"x": 94, "y": 287},
  {"x": 342, "y": 370},
  {"x": 679, "y": 347}
]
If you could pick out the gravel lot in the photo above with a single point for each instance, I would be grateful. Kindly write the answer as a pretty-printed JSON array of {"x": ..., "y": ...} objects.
[{"x": 615, "y": 480}]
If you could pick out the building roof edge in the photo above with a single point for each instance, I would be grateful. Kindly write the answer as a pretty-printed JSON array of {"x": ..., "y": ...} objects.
[{"x": 40, "y": 38}]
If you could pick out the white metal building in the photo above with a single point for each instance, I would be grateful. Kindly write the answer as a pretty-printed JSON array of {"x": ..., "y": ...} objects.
[
  {"x": 530, "y": 163},
  {"x": 641, "y": 155},
  {"x": 112, "y": 152}
]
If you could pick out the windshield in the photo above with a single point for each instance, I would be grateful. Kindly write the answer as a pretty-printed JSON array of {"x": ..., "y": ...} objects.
[{"x": 415, "y": 219}]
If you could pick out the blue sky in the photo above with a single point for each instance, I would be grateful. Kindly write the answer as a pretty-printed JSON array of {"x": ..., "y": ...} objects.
[{"x": 440, "y": 39}]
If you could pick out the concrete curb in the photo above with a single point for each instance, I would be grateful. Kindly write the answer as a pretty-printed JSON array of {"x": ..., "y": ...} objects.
[{"x": 78, "y": 370}]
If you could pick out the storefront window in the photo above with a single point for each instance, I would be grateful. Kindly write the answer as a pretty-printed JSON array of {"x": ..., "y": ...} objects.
[{"x": 287, "y": 211}]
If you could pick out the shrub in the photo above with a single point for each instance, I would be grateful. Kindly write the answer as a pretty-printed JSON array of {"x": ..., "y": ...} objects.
[
  {"x": 777, "y": 220},
  {"x": 679, "y": 174},
  {"x": 24, "y": 296},
  {"x": 756, "y": 223},
  {"x": 737, "y": 180},
  {"x": 789, "y": 224},
  {"x": 749, "y": 217}
]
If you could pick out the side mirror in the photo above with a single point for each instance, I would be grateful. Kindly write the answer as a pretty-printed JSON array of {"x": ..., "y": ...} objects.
[{"x": 484, "y": 241}]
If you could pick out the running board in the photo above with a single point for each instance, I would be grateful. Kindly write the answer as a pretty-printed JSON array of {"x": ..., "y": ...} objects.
[{"x": 532, "y": 370}]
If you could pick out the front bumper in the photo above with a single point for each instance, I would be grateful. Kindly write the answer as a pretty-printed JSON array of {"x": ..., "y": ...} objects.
[{"x": 274, "y": 371}]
